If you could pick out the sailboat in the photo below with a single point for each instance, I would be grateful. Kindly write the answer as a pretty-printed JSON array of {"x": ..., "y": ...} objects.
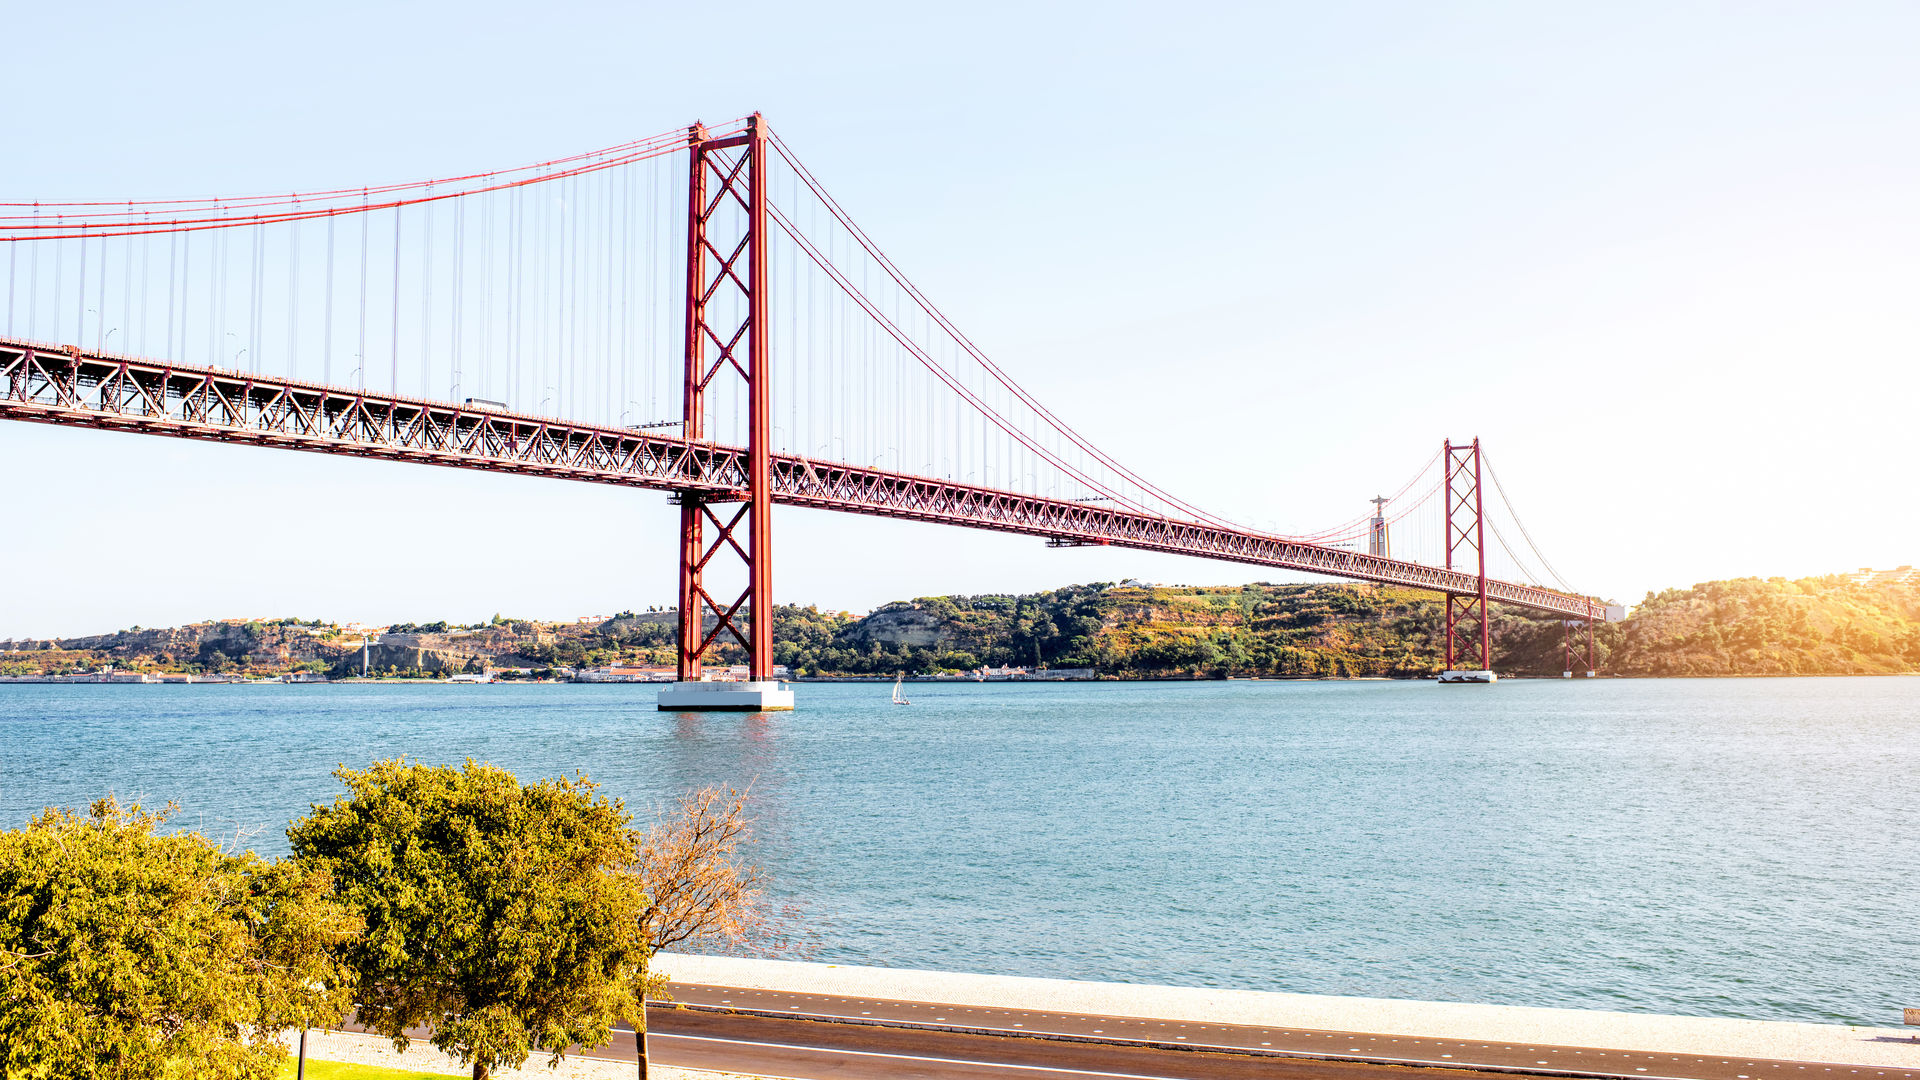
[{"x": 897, "y": 698}]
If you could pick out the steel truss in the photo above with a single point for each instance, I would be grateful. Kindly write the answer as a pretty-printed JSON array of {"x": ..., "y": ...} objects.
[{"x": 53, "y": 385}]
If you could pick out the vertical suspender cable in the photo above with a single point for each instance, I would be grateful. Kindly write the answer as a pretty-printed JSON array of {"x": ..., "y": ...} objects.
[
  {"x": 486, "y": 305},
  {"x": 173, "y": 238},
  {"x": 393, "y": 349},
  {"x": 562, "y": 306},
  {"x": 80, "y": 297},
  {"x": 541, "y": 386},
  {"x": 626, "y": 289},
  {"x": 146, "y": 250},
  {"x": 186, "y": 290},
  {"x": 512, "y": 283},
  {"x": 813, "y": 315},
  {"x": 652, "y": 318},
  {"x": 366, "y": 225},
  {"x": 126, "y": 288},
  {"x": 33, "y": 278},
  {"x": 426, "y": 296},
  {"x": 293, "y": 293},
  {"x": 13, "y": 261},
  {"x": 216, "y": 294},
  {"x": 459, "y": 271},
  {"x": 326, "y": 305},
  {"x": 259, "y": 336},
  {"x": 606, "y": 339},
  {"x": 253, "y": 299},
  {"x": 217, "y": 313},
  {"x": 793, "y": 331},
  {"x": 59, "y": 273},
  {"x": 100, "y": 302},
  {"x": 569, "y": 329}
]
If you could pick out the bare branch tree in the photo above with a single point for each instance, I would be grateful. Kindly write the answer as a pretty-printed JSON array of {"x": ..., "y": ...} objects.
[{"x": 702, "y": 891}]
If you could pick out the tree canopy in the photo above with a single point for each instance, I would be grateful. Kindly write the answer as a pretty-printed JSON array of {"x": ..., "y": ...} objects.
[
  {"x": 497, "y": 913},
  {"x": 128, "y": 954}
]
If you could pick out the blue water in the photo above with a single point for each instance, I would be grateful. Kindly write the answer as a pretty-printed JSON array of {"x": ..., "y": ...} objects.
[{"x": 1744, "y": 848}]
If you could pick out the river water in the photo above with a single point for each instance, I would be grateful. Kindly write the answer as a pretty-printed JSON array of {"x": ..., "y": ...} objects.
[{"x": 1746, "y": 848}]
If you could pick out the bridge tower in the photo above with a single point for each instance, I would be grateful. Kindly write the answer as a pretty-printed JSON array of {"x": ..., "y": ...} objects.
[
  {"x": 1469, "y": 651},
  {"x": 727, "y": 338}
]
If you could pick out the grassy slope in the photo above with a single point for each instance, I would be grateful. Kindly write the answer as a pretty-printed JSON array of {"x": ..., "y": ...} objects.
[{"x": 341, "y": 1070}]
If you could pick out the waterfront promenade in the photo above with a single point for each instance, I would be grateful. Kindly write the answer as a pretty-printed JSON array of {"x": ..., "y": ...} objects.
[{"x": 808, "y": 1020}]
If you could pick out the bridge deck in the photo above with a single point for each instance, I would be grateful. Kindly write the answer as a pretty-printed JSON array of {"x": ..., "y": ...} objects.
[{"x": 56, "y": 385}]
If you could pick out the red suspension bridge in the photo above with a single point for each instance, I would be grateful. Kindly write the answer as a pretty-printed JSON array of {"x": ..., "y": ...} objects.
[{"x": 691, "y": 313}]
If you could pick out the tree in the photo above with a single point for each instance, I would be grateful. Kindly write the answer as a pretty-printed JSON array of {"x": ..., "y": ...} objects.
[
  {"x": 127, "y": 954},
  {"x": 497, "y": 916},
  {"x": 700, "y": 891}
]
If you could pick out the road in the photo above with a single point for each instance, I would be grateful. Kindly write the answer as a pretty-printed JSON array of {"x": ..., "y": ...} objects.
[{"x": 829, "y": 1037}]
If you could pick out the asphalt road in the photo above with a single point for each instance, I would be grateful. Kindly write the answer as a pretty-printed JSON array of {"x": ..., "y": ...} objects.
[{"x": 828, "y": 1037}]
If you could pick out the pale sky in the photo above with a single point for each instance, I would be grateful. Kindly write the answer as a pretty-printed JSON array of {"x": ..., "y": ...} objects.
[{"x": 1662, "y": 258}]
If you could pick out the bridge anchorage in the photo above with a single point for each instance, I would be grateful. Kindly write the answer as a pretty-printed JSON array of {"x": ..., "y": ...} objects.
[{"x": 524, "y": 322}]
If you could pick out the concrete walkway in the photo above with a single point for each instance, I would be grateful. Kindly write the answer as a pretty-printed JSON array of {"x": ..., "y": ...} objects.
[
  {"x": 1890, "y": 1046},
  {"x": 362, "y": 1049}
]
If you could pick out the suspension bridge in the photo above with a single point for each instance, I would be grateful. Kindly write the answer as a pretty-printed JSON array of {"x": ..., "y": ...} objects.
[{"x": 690, "y": 313}]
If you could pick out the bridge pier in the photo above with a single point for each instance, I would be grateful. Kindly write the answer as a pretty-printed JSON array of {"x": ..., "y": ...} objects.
[{"x": 768, "y": 696}]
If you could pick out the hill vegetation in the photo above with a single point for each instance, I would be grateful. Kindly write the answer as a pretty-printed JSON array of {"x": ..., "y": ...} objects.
[{"x": 1748, "y": 626}]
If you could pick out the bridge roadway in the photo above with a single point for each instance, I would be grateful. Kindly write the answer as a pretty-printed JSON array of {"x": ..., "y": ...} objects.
[
  {"x": 66, "y": 385},
  {"x": 809, "y": 1036}
]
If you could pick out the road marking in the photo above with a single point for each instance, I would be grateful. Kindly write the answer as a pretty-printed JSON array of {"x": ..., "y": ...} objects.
[
  {"x": 1487, "y": 1066},
  {"x": 1443, "y": 1061},
  {"x": 918, "y": 1057}
]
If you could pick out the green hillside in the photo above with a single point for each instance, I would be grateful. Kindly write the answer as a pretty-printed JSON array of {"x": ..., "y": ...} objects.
[
  {"x": 1749, "y": 626},
  {"x": 1743, "y": 627}
]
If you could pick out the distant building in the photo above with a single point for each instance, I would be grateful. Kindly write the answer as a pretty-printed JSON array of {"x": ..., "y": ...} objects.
[
  {"x": 1900, "y": 575},
  {"x": 1060, "y": 674},
  {"x": 626, "y": 674}
]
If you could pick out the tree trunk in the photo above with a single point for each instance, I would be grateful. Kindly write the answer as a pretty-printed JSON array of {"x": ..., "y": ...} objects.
[
  {"x": 640, "y": 1049},
  {"x": 479, "y": 1071}
]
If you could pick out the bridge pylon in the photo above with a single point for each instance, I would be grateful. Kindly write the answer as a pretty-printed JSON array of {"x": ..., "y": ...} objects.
[
  {"x": 727, "y": 338},
  {"x": 1469, "y": 644},
  {"x": 1570, "y": 630}
]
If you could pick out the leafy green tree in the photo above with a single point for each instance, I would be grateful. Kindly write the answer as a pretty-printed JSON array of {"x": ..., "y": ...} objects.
[
  {"x": 498, "y": 916},
  {"x": 128, "y": 954}
]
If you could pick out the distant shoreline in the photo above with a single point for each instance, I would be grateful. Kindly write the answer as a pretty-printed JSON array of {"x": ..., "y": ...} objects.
[{"x": 830, "y": 680}]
